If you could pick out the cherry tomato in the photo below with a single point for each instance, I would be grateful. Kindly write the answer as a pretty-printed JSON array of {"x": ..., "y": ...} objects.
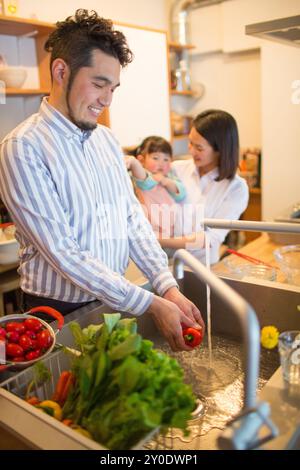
[
  {"x": 25, "y": 342},
  {"x": 33, "y": 355},
  {"x": 15, "y": 326},
  {"x": 2, "y": 332},
  {"x": 14, "y": 350},
  {"x": 33, "y": 324},
  {"x": 34, "y": 344},
  {"x": 18, "y": 359},
  {"x": 31, "y": 334},
  {"x": 44, "y": 339},
  {"x": 192, "y": 337},
  {"x": 13, "y": 336}
]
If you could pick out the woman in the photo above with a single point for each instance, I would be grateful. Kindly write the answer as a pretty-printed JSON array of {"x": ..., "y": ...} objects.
[{"x": 214, "y": 190}]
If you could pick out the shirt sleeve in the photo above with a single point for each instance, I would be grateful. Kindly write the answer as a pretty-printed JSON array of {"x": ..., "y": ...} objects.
[
  {"x": 29, "y": 194},
  {"x": 181, "y": 192},
  {"x": 146, "y": 184}
]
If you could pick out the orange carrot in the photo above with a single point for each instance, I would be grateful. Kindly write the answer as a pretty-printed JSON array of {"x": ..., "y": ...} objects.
[
  {"x": 67, "y": 422},
  {"x": 64, "y": 376},
  {"x": 68, "y": 384}
]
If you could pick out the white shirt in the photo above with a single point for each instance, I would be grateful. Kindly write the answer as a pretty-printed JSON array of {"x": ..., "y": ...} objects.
[
  {"x": 77, "y": 219},
  {"x": 226, "y": 199}
]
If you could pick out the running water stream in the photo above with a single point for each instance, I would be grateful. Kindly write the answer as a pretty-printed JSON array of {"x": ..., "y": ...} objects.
[{"x": 208, "y": 303}]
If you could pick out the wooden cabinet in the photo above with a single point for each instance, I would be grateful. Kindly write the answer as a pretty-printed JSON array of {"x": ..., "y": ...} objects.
[
  {"x": 39, "y": 31},
  {"x": 253, "y": 212}
]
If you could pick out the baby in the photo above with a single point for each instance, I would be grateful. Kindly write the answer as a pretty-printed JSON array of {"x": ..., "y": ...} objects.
[{"x": 157, "y": 188}]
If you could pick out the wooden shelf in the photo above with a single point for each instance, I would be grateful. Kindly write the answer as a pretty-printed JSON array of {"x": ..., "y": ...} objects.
[
  {"x": 23, "y": 26},
  {"x": 180, "y": 137},
  {"x": 176, "y": 46},
  {"x": 255, "y": 191},
  {"x": 183, "y": 93},
  {"x": 25, "y": 91}
]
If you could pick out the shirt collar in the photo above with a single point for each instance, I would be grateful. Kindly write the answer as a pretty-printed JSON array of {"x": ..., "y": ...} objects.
[
  {"x": 211, "y": 175},
  {"x": 61, "y": 124}
]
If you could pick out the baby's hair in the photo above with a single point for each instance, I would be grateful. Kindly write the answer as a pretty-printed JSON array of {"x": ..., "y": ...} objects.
[{"x": 152, "y": 144}]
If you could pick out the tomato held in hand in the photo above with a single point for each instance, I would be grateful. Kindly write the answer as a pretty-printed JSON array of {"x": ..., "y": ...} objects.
[{"x": 192, "y": 337}]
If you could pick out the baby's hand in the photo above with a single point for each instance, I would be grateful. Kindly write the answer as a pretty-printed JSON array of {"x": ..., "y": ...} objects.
[
  {"x": 129, "y": 160},
  {"x": 158, "y": 177}
]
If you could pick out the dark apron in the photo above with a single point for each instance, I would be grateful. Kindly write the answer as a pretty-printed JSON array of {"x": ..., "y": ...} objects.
[{"x": 29, "y": 301}]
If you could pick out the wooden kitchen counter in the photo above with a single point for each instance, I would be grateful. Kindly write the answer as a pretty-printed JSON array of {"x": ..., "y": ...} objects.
[{"x": 261, "y": 248}]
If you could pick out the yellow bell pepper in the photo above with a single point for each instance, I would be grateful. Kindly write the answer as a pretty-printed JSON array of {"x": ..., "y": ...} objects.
[
  {"x": 82, "y": 431},
  {"x": 52, "y": 408}
]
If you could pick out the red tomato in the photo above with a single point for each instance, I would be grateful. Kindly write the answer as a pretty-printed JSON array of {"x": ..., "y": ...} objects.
[
  {"x": 33, "y": 355},
  {"x": 44, "y": 339},
  {"x": 34, "y": 344},
  {"x": 18, "y": 359},
  {"x": 14, "y": 350},
  {"x": 31, "y": 334},
  {"x": 192, "y": 337},
  {"x": 15, "y": 326},
  {"x": 2, "y": 332},
  {"x": 33, "y": 324},
  {"x": 13, "y": 337},
  {"x": 25, "y": 342}
]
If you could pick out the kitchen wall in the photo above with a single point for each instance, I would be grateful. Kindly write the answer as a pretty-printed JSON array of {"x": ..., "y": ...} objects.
[
  {"x": 232, "y": 83},
  {"x": 152, "y": 13},
  {"x": 280, "y": 127}
]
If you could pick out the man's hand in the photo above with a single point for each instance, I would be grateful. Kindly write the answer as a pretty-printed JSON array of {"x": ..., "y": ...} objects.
[
  {"x": 168, "y": 318},
  {"x": 186, "y": 306}
]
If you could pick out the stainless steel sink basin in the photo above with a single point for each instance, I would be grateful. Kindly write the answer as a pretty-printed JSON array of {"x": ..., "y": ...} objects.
[{"x": 219, "y": 387}]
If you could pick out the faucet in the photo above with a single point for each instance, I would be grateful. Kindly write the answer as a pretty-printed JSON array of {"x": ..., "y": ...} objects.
[
  {"x": 242, "y": 431},
  {"x": 252, "y": 226}
]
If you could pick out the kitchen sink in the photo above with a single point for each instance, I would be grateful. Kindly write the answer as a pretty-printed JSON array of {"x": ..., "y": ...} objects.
[{"x": 217, "y": 380}]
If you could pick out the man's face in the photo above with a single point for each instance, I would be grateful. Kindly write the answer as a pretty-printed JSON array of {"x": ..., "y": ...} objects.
[{"x": 92, "y": 89}]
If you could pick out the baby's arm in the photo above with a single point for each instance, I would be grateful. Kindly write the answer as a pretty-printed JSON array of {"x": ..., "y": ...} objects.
[
  {"x": 143, "y": 179},
  {"x": 174, "y": 186},
  {"x": 135, "y": 167}
]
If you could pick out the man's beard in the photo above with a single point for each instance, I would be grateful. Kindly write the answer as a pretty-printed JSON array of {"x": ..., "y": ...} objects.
[{"x": 83, "y": 125}]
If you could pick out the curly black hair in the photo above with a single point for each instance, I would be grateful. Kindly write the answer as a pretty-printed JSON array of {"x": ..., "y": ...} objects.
[{"x": 75, "y": 38}]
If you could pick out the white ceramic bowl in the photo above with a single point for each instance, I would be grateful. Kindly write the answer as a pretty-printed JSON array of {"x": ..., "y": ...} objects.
[
  {"x": 288, "y": 258},
  {"x": 9, "y": 250},
  {"x": 13, "y": 77}
]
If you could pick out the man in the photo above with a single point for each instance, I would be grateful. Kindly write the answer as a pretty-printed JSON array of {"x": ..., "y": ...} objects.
[{"x": 64, "y": 181}]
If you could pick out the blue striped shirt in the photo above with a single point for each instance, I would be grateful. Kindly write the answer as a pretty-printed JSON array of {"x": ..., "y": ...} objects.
[{"x": 77, "y": 218}]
